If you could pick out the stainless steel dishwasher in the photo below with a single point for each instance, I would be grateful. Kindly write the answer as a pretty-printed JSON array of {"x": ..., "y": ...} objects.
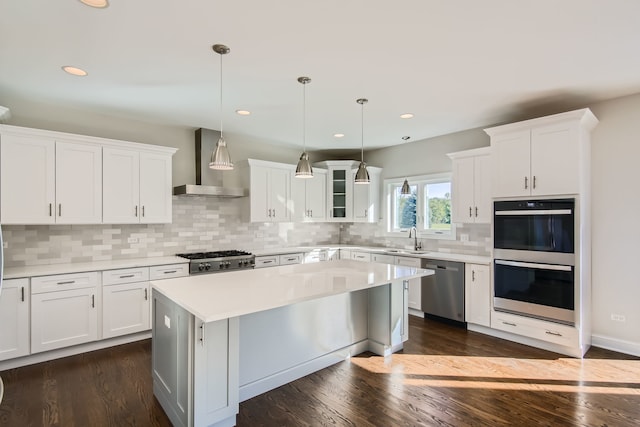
[{"x": 443, "y": 292}]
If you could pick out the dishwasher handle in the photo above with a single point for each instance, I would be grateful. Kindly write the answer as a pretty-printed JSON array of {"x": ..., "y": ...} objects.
[{"x": 439, "y": 267}]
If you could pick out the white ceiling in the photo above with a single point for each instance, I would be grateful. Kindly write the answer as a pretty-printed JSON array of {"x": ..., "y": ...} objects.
[{"x": 454, "y": 64}]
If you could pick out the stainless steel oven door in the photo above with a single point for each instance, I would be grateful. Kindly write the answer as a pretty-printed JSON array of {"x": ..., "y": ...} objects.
[{"x": 544, "y": 291}]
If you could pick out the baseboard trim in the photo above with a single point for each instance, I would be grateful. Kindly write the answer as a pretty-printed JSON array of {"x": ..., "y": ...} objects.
[{"x": 615, "y": 344}]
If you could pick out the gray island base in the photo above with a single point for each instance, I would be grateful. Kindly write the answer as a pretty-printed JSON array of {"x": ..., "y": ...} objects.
[{"x": 221, "y": 339}]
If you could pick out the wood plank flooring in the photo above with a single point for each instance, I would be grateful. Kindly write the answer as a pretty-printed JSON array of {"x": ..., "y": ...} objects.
[{"x": 446, "y": 376}]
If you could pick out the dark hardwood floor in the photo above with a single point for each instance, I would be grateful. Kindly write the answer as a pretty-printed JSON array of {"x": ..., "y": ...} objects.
[{"x": 446, "y": 376}]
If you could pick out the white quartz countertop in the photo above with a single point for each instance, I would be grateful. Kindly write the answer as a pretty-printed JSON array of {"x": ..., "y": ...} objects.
[
  {"x": 49, "y": 269},
  {"x": 212, "y": 297},
  {"x": 445, "y": 256}
]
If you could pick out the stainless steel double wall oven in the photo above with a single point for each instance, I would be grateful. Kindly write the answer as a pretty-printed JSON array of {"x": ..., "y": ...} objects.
[{"x": 534, "y": 258}]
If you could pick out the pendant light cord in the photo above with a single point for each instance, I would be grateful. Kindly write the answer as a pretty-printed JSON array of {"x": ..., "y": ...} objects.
[
  {"x": 362, "y": 132},
  {"x": 220, "y": 94},
  {"x": 304, "y": 117}
]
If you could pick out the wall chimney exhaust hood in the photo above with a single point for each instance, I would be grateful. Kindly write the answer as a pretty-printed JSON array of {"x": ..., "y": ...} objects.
[{"x": 208, "y": 181}]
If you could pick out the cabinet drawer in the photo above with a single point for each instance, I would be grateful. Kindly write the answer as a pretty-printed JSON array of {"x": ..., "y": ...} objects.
[
  {"x": 385, "y": 259},
  {"x": 361, "y": 256},
  {"x": 168, "y": 271},
  {"x": 125, "y": 275},
  {"x": 315, "y": 257},
  {"x": 267, "y": 261},
  {"x": 534, "y": 328},
  {"x": 64, "y": 282},
  {"x": 290, "y": 259},
  {"x": 408, "y": 261}
]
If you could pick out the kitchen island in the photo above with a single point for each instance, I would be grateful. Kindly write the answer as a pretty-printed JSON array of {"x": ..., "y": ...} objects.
[{"x": 220, "y": 339}]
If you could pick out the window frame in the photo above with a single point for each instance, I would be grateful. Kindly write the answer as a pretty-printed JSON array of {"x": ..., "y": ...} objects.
[{"x": 421, "y": 181}]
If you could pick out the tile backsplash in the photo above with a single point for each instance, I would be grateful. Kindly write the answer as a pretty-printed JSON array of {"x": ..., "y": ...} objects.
[
  {"x": 199, "y": 223},
  {"x": 205, "y": 223}
]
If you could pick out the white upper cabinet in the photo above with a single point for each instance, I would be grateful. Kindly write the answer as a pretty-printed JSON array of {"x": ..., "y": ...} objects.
[
  {"x": 471, "y": 186},
  {"x": 49, "y": 177},
  {"x": 542, "y": 157},
  {"x": 269, "y": 190},
  {"x": 27, "y": 179},
  {"x": 347, "y": 201},
  {"x": 48, "y": 181},
  {"x": 137, "y": 187},
  {"x": 309, "y": 197},
  {"x": 78, "y": 183}
]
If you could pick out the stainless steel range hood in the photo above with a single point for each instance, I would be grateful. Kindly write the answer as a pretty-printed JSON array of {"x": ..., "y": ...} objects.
[{"x": 208, "y": 181}]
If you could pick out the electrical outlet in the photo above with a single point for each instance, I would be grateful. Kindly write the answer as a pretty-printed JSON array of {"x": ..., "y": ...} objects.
[
  {"x": 133, "y": 240},
  {"x": 618, "y": 318},
  {"x": 464, "y": 237}
]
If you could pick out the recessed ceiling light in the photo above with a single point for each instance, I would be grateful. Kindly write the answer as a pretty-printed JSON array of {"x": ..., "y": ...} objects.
[
  {"x": 74, "y": 70},
  {"x": 243, "y": 112},
  {"x": 100, "y": 4},
  {"x": 406, "y": 116},
  {"x": 338, "y": 135}
]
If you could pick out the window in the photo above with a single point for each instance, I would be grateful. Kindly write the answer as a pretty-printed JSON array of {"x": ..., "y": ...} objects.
[{"x": 428, "y": 207}]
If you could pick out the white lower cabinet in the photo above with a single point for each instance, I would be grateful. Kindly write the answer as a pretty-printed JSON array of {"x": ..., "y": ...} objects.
[
  {"x": 477, "y": 294},
  {"x": 382, "y": 258},
  {"x": 534, "y": 328},
  {"x": 360, "y": 256},
  {"x": 64, "y": 310},
  {"x": 415, "y": 285},
  {"x": 125, "y": 301},
  {"x": 14, "y": 319},
  {"x": 316, "y": 256}
]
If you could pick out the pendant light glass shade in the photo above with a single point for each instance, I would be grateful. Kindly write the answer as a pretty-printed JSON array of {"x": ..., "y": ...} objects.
[
  {"x": 405, "y": 190},
  {"x": 220, "y": 158},
  {"x": 362, "y": 175},
  {"x": 304, "y": 170}
]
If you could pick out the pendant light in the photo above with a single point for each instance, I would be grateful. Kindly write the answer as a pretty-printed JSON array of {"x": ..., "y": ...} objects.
[
  {"x": 220, "y": 158},
  {"x": 362, "y": 175},
  {"x": 405, "y": 190},
  {"x": 304, "y": 170}
]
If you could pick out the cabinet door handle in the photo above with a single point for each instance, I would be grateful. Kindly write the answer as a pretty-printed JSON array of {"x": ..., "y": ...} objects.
[
  {"x": 526, "y": 183},
  {"x": 50, "y": 207},
  {"x": 534, "y": 182},
  {"x": 556, "y": 334},
  {"x": 469, "y": 211},
  {"x": 146, "y": 295},
  {"x": 136, "y": 211},
  {"x": 126, "y": 276},
  {"x": 269, "y": 214},
  {"x": 68, "y": 282},
  {"x": 473, "y": 275},
  {"x": 143, "y": 210},
  {"x": 59, "y": 209},
  {"x": 274, "y": 213},
  {"x": 93, "y": 301},
  {"x": 476, "y": 212},
  {"x": 22, "y": 294},
  {"x": 202, "y": 336}
]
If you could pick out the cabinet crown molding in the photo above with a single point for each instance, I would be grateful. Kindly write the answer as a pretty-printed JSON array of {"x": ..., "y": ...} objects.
[{"x": 584, "y": 116}]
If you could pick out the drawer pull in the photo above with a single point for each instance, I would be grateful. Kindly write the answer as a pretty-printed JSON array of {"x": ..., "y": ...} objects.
[
  {"x": 291, "y": 259},
  {"x": 68, "y": 282},
  {"x": 127, "y": 276},
  {"x": 509, "y": 323},
  {"x": 267, "y": 262},
  {"x": 555, "y": 334},
  {"x": 170, "y": 271}
]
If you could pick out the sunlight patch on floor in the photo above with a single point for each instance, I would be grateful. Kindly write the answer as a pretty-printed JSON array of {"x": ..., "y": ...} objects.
[{"x": 558, "y": 375}]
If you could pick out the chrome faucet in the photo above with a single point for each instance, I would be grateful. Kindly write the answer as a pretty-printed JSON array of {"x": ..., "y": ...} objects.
[{"x": 416, "y": 245}]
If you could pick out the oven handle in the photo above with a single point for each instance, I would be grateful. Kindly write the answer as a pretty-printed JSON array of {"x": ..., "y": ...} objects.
[
  {"x": 537, "y": 212},
  {"x": 534, "y": 265}
]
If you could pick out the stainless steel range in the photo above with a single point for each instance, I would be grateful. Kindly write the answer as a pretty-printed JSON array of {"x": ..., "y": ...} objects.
[{"x": 219, "y": 261}]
